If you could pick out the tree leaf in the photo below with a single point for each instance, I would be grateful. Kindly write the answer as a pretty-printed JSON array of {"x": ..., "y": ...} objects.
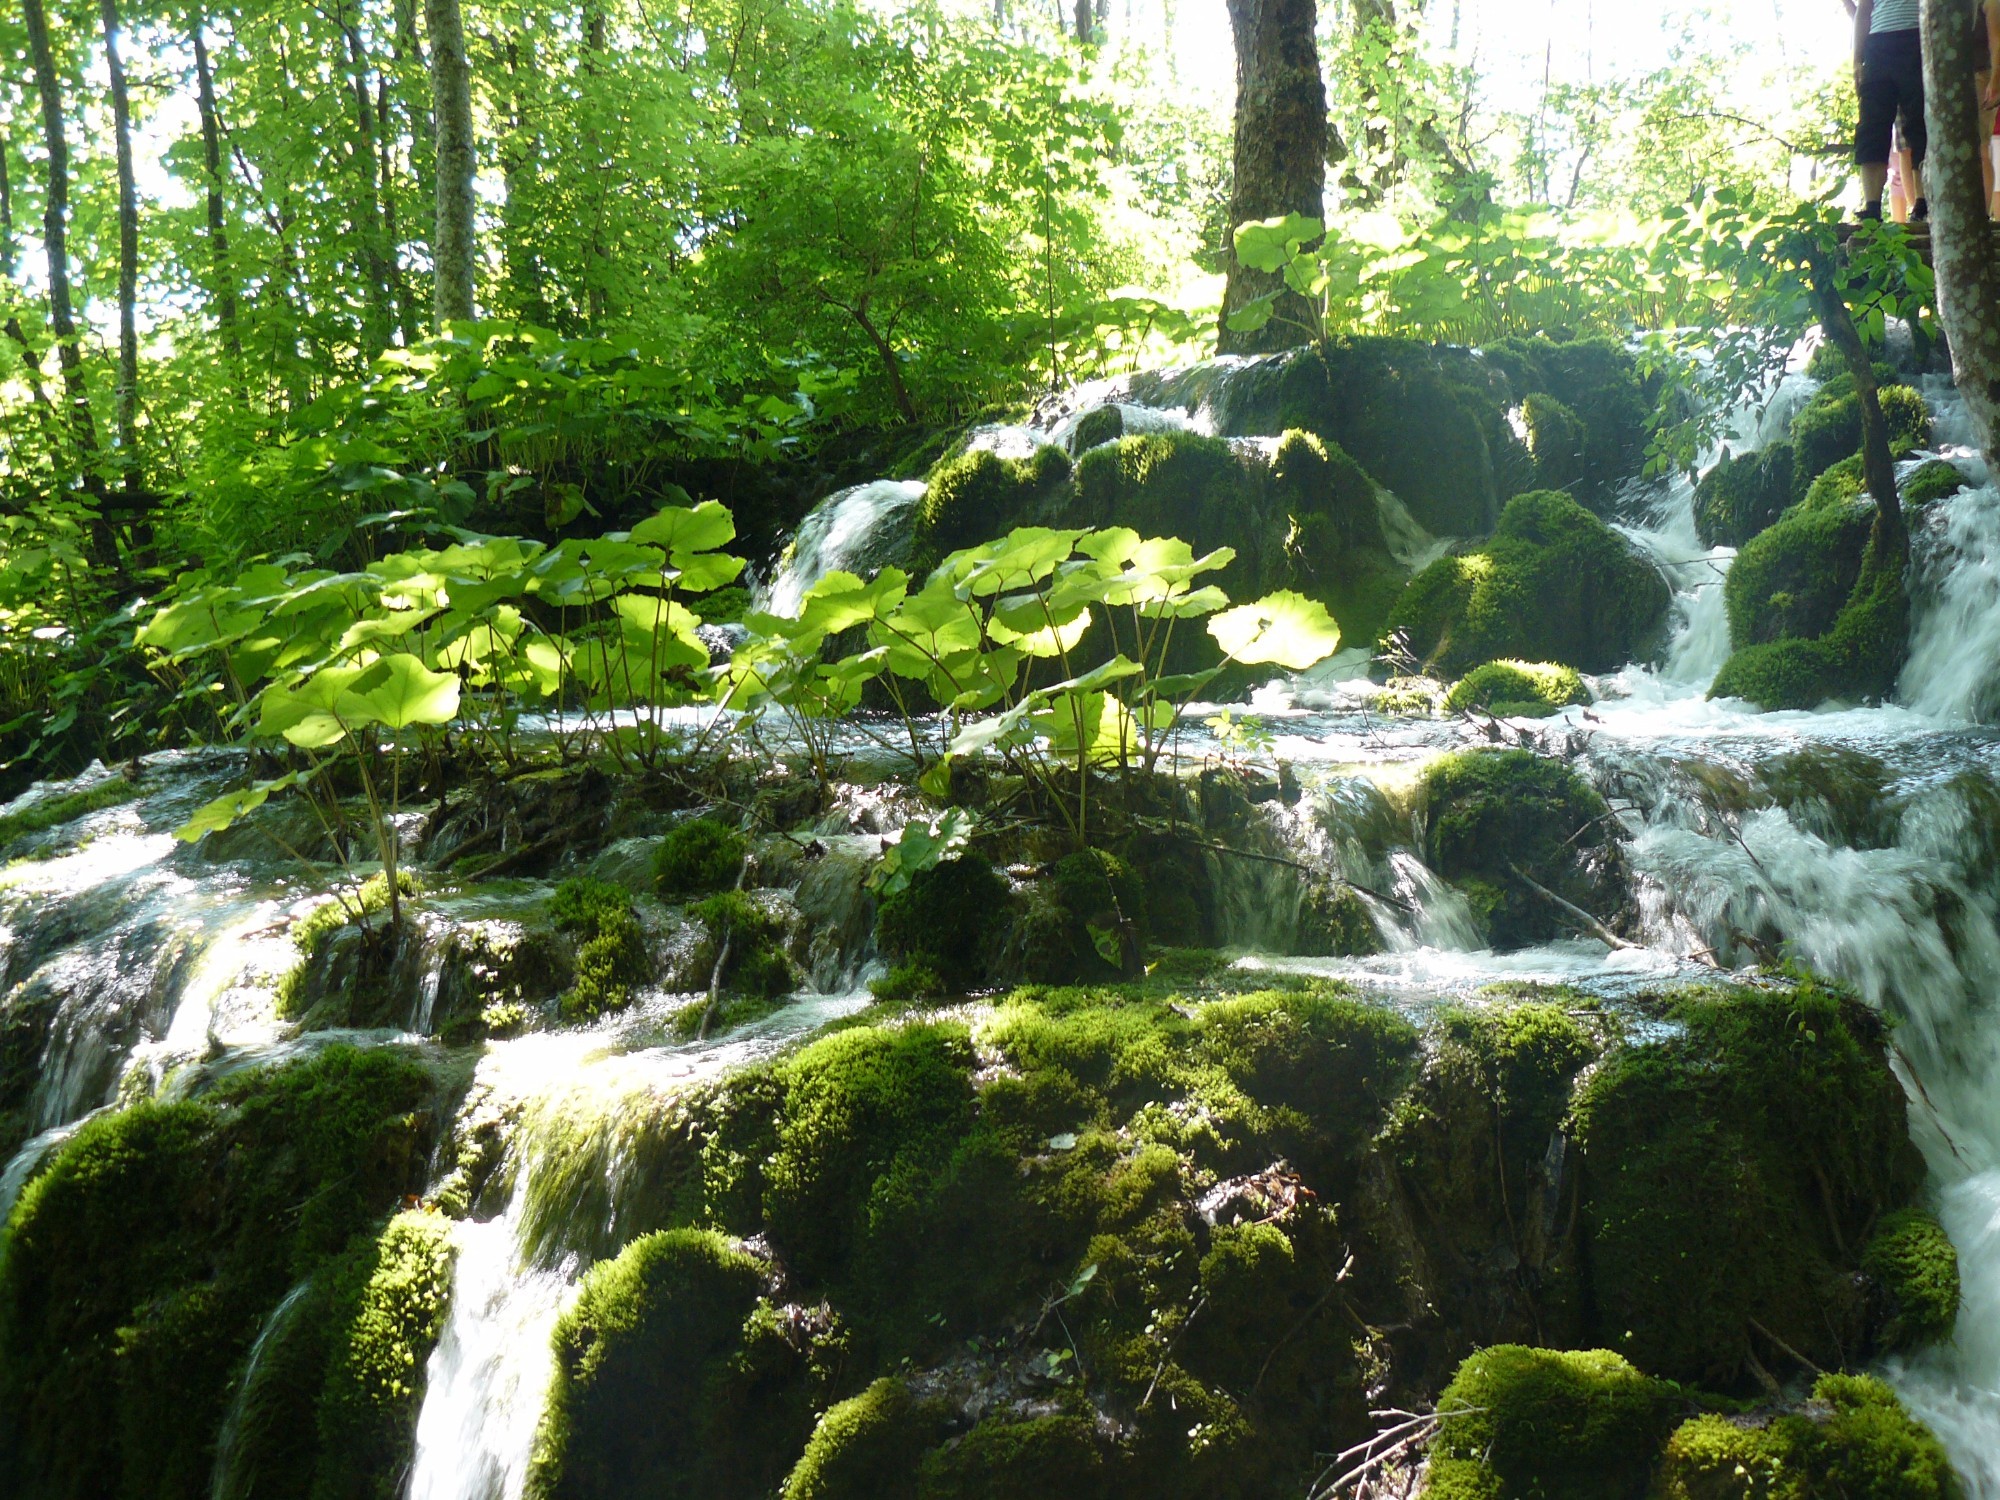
[{"x": 1283, "y": 629}]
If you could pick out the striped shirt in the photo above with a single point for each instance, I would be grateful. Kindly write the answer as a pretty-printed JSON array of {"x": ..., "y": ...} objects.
[{"x": 1893, "y": 15}]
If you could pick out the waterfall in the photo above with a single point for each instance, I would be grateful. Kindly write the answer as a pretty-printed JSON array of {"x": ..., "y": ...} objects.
[
  {"x": 848, "y": 531},
  {"x": 1954, "y": 667},
  {"x": 228, "y": 1483}
]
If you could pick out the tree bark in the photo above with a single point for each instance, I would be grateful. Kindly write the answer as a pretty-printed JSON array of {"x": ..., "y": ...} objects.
[
  {"x": 451, "y": 97},
  {"x": 1280, "y": 156},
  {"x": 379, "y": 293},
  {"x": 1968, "y": 279},
  {"x": 10, "y": 250},
  {"x": 1878, "y": 464},
  {"x": 218, "y": 226},
  {"x": 55, "y": 240}
]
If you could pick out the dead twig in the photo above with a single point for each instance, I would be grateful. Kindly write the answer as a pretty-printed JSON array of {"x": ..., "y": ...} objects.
[{"x": 1596, "y": 928}]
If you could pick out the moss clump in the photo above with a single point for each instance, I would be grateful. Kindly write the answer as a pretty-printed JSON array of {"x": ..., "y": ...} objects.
[
  {"x": 756, "y": 967},
  {"x": 667, "y": 1382},
  {"x": 1084, "y": 921},
  {"x": 611, "y": 957},
  {"x": 867, "y": 1447},
  {"x": 1724, "y": 1187},
  {"x": 1335, "y": 921},
  {"x": 1179, "y": 484},
  {"x": 1741, "y": 496},
  {"x": 365, "y": 993},
  {"x": 1334, "y": 542},
  {"x": 1096, "y": 428},
  {"x": 697, "y": 857},
  {"x": 51, "y": 812},
  {"x": 1828, "y": 429},
  {"x": 1853, "y": 1439},
  {"x": 1556, "y": 442},
  {"x": 1859, "y": 655},
  {"x": 143, "y": 1260},
  {"x": 947, "y": 919},
  {"x": 1494, "y": 820},
  {"x": 1915, "y": 1271},
  {"x": 1596, "y": 383},
  {"x": 1517, "y": 689},
  {"x": 723, "y": 607},
  {"x": 1003, "y": 1459},
  {"x": 1518, "y": 1422},
  {"x": 1554, "y": 584},
  {"x": 1931, "y": 482},
  {"x": 978, "y": 496},
  {"x": 907, "y": 983}
]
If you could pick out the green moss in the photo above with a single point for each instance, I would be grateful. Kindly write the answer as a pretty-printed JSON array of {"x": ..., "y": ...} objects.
[
  {"x": 1793, "y": 578},
  {"x": 1858, "y": 656},
  {"x": 1550, "y": 1422},
  {"x": 1596, "y": 382},
  {"x": 907, "y": 983},
  {"x": 1514, "y": 689},
  {"x": 143, "y": 1260},
  {"x": 1004, "y": 1459},
  {"x": 1179, "y": 484},
  {"x": 948, "y": 919},
  {"x": 1915, "y": 1269},
  {"x": 1334, "y": 542},
  {"x": 756, "y": 967},
  {"x": 1724, "y": 1187},
  {"x": 1084, "y": 921},
  {"x": 697, "y": 857},
  {"x": 611, "y": 957},
  {"x": 1096, "y": 428},
  {"x": 1854, "y": 1439},
  {"x": 1493, "y": 820},
  {"x": 668, "y": 1382},
  {"x": 1335, "y": 921},
  {"x": 1741, "y": 496},
  {"x": 723, "y": 607},
  {"x": 1554, "y": 584},
  {"x": 1556, "y": 442},
  {"x": 979, "y": 496},
  {"x": 868, "y": 1447},
  {"x": 67, "y": 807},
  {"x": 1828, "y": 429},
  {"x": 1932, "y": 482}
]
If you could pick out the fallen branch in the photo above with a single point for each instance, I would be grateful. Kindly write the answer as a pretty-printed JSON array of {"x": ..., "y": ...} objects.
[{"x": 1596, "y": 928}]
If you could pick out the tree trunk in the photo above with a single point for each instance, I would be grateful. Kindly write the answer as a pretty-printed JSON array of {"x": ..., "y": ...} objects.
[
  {"x": 218, "y": 227},
  {"x": 368, "y": 217},
  {"x": 1280, "y": 158},
  {"x": 1082, "y": 22},
  {"x": 1878, "y": 465},
  {"x": 451, "y": 95},
  {"x": 10, "y": 251},
  {"x": 1968, "y": 279},
  {"x": 128, "y": 256}
]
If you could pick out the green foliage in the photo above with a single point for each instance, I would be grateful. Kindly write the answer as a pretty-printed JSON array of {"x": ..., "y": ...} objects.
[
  {"x": 1913, "y": 1263},
  {"x": 696, "y": 857},
  {"x": 144, "y": 1258},
  {"x": 1854, "y": 1438},
  {"x": 1741, "y": 496},
  {"x": 1495, "y": 820},
  {"x": 757, "y": 967},
  {"x": 1545, "y": 1422},
  {"x": 611, "y": 956},
  {"x": 1085, "y": 922},
  {"x": 1554, "y": 584},
  {"x": 1517, "y": 688},
  {"x": 907, "y": 983},
  {"x": 1005, "y": 1459},
  {"x": 945, "y": 921},
  {"x": 1708, "y": 1150}
]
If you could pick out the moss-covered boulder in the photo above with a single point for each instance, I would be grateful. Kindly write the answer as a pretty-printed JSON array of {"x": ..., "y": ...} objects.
[
  {"x": 1517, "y": 689},
  {"x": 1500, "y": 823},
  {"x": 868, "y": 1447},
  {"x": 612, "y": 961},
  {"x": 142, "y": 1262},
  {"x": 1931, "y": 482},
  {"x": 1595, "y": 385},
  {"x": 1334, "y": 539},
  {"x": 1182, "y": 484},
  {"x": 1517, "y": 1422},
  {"x": 1853, "y": 1438},
  {"x": 1914, "y": 1269},
  {"x": 1815, "y": 611},
  {"x": 949, "y": 919},
  {"x": 1553, "y": 584},
  {"x": 979, "y": 495},
  {"x": 1741, "y": 496},
  {"x": 1085, "y": 920},
  {"x": 1556, "y": 441},
  {"x": 697, "y": 858},
  {"x": 1828, "y": 428}
]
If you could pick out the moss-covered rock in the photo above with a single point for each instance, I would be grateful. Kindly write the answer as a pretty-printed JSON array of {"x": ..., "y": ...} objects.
[
  {"x": 1557, "y": 439},
  {"x": 1828, "y": 428},
  {"x": 611, "y": 957},
  {"x": 979, "y": 495},
  {"x": 747, "y": 939},
  {"x": 668, "y": 1382},
  {"x": 1334, "y": 539},
  {"x": 1852, "y": 1439},
  {"x": 1517, "y": 1422},
  {"x": 143, "y": 1260},
  {"x": 1002, "y": 1459},
  {"x": 1725, "y": 1201},
  {"x": 1596, "y": 383},
  {"x": 1496, "y": 823},
  {"x": 1914, "y": 1269},
  {"x": 1931, "y": 482},
  {"x": 1741, "y": 496},
  {"x": 948, "y": 919},
  {"x": 697, "y": 858},
  {"x": 1554, "y": 584},
  {"x": 1184, "y": 485},
  {"x": 869, "y": 1446},
  {"x": 1517, "y": 689},
  {"x": 1084, "y": 921}
]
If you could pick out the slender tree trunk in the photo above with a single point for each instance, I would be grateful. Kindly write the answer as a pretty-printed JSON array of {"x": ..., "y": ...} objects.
[
  {"x": 1082, "y": 21},
  {"x": 1280, "y": 156},
  {"x": 452, "y": 248},
  {"x": 128, "y": 251},
  {"x": 368, "y": 215},
  {"x": 518, "y": 247},
  {"x": 218, "y": 225},
  {"x": 55, "y": 241},
  {"x": 1878, "y": 465},
  {"x": 1962, "y": 247},
  {"x": 10, "y": 252}
]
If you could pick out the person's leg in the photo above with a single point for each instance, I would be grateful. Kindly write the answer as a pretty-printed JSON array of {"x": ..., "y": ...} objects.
[
  {"x": 1879, "y": 100},
  {"x": 1910, "y": 103}
]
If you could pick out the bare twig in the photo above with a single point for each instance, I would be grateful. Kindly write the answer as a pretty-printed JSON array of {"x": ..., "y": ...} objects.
[{"x": 1596, "y": 928}]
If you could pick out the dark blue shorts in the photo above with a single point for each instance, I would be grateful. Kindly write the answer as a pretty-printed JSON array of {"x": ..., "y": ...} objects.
[{"x": 1892, "y": 84}]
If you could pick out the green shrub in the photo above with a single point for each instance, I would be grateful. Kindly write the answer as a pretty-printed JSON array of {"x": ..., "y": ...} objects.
[
  {"x": 1489, "y": 818},
  {"x": 1854, "y": 1439},
  {"x": 908, "y": 982},
  {"x": 1550, "y": 1422},
  {"x": 1517, "y": 689},
  {"x": 697, "y": 857},
  {"x": 1554, "y": 584},
  {"x": 1741, "y": 496},
  {"x": 1913, "y": 1264},
  {"x": 611, "y": 956},
  {"x": 946, "y": 919}
]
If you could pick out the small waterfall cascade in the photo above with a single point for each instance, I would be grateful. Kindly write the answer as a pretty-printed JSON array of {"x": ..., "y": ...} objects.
[
  {"x": 230, "y": 1481},
  {"x": 845, "y": 532}
]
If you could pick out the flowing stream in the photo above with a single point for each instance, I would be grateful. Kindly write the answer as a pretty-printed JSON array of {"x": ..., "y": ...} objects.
[{"x": 152, "y": 961}]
